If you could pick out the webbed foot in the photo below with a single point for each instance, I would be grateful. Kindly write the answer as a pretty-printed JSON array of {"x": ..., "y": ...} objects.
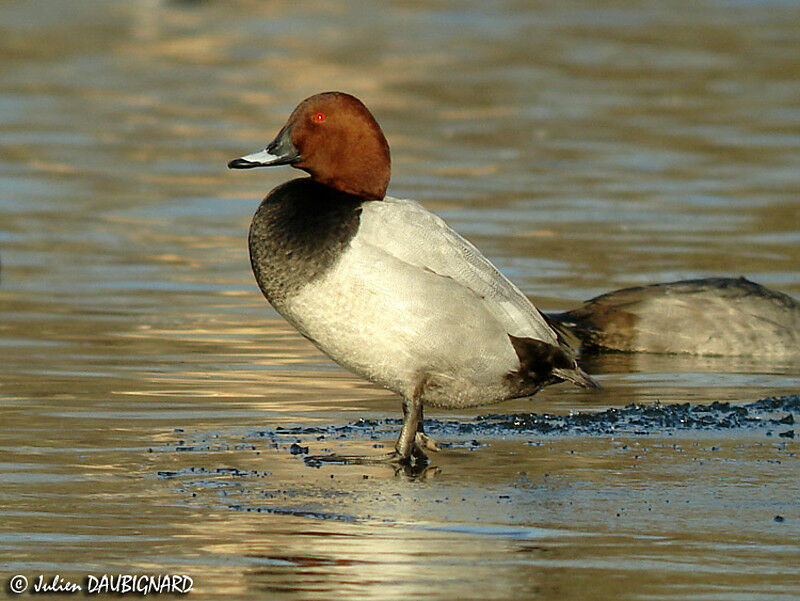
[
  {"x": 384, "y": 458},
  {"x": 409, "y": 451},
  {"x": 415, "y": 466},
  {"x": 423, "y": 442}
]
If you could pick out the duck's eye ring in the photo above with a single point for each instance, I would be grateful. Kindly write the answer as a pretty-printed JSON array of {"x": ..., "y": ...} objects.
[{"x": 319, "y": 117}]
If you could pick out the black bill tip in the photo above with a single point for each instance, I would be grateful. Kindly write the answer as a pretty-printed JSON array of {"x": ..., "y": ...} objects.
[{"x": 241, "y": 164}]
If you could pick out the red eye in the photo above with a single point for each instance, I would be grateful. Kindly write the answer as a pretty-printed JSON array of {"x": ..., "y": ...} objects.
[{"x": 319, "y": 117}]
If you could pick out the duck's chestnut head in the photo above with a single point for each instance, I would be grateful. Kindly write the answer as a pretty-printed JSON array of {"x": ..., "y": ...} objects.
[{"x": 334, "y": 138}]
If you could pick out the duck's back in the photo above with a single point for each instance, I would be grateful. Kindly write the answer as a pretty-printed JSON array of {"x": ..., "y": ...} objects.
[{"x": 418, "y": 238}]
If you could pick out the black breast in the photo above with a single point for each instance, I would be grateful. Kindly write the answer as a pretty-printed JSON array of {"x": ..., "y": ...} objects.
[{"x": 297, "y": 233}]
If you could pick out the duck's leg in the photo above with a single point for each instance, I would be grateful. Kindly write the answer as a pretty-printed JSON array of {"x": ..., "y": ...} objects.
[
  {"x": 410, "y": 446},
  {"x": 422, "y": 442},
  {"x": 406, "y": 446}
]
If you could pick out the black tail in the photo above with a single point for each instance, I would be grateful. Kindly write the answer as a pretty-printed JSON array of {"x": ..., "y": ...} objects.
[{"x": 542, "y": 362}]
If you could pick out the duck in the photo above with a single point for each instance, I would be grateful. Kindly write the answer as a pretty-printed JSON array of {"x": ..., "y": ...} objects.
[
  {"x": 715, "y": 316},
  {"x": 384, "y": 287}
]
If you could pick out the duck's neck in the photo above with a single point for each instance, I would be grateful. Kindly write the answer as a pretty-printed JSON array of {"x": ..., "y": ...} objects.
[
  {"x": 365, "y": 187},
  {"x": 363, "y": 169}
]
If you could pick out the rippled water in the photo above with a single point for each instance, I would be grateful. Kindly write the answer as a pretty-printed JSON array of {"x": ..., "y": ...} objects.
[{"x": 583, "y": 146}]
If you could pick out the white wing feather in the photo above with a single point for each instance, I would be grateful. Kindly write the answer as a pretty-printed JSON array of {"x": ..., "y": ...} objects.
[{"x": 412, "y": 234}]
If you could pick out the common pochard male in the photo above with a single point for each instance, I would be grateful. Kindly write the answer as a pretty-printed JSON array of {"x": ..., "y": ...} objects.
[{"x": 386, "y": 288}]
